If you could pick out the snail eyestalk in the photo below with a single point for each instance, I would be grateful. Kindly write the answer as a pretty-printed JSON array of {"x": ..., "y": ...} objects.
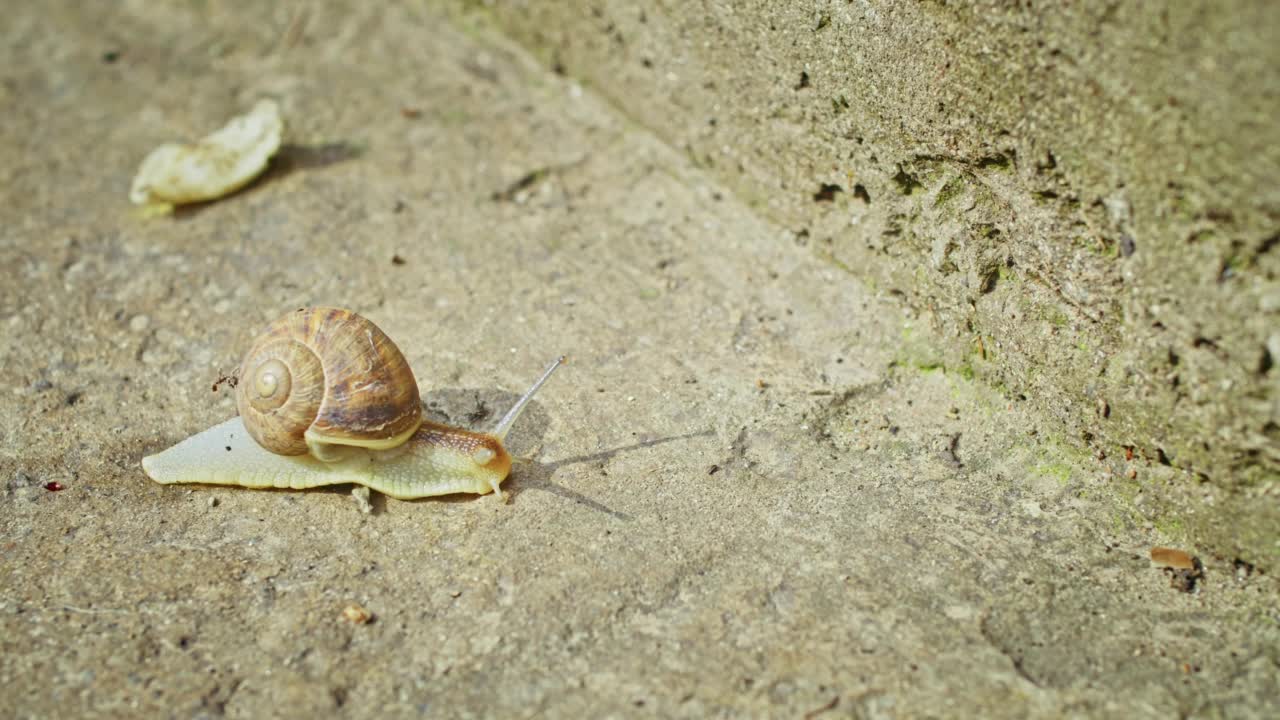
[{"x": 504, "y": 425}]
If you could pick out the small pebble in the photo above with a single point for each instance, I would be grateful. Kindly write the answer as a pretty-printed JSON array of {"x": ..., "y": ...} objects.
[
  {"x": 361, "y": 495},
  {"x": 357, "y": 614},
  {"x": 213, "y": 502},
  {"x": 41, "y": 385},
  {"x": 139, "y": 323}
]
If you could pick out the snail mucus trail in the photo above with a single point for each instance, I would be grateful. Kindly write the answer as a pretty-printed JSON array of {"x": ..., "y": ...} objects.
[{"x": 325, "y": 398}]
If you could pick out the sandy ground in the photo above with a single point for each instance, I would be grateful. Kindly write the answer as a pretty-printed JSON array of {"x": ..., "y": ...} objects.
[{"x": 737, "y": 500}]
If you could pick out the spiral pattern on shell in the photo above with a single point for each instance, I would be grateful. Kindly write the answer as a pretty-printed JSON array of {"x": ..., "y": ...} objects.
[{"x": 331, "y": 372}]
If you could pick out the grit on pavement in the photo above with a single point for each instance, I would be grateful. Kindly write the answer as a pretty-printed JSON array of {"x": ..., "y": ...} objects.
[{"x": 740, "y": 498}]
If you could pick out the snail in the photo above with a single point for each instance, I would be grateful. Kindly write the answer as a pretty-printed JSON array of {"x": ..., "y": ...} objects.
[{"x": 325, "y": 398}]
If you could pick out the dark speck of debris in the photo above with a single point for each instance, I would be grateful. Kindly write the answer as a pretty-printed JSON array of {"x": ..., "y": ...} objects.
[
  {"x": 230, "y": 380},
  {"x": 804, "y": 80},
  {"x": 1184, "y": 580},
  {"x": 481, "y": 412},
  {"x": 714, "y": 469},
  {"x": 1204, "y": 342},
  {"x": 410, "y": 113},
  {"x": 397, "y": 260},
  {"x": 950, "y": 454},
  {"x": 998, "y": 160},
  {"x": 827, "y": 192},
  {"x": 53, "y": 486},
  {"x": 906, "y": 182},
  {"x": 110, "y": 56},
  {"x": 399, "y": 207},
  {"x": 228, "y": 448},
  {"x": 73, "y": 397},
  {"x": 893, "y": 429},
  {"x": 860, "y": 192},
  {"x": 523, "y": 183},
  {"x": 1127, "y": 246},
  {"x": 41, "y": 385}
]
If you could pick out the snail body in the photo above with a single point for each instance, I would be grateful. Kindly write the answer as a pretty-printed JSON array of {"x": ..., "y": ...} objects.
[{"x": 326, "y": 398}]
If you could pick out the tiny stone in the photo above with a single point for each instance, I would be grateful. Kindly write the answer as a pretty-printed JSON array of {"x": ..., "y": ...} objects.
[
  {"x": 41, "y": 385},
  {"x": 361, "y": 495},
  {"x": 139, "y": 323},
  {"x": 213, "y": 502},
  {"x": 356, "y": 614}
]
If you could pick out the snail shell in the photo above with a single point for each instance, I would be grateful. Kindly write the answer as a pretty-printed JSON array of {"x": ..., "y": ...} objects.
[{"x": 320, "y": 377}]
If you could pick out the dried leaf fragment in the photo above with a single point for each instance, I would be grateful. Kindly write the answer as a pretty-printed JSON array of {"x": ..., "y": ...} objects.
[
  {"x": 1169, "y": 557},
  {"x": 218, "y": 165}
]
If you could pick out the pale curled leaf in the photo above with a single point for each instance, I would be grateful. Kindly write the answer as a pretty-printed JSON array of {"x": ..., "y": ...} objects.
[{"x": 218, "y": 165}]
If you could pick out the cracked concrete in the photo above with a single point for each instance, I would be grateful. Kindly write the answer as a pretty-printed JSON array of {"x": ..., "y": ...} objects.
[
  {"x": 1077, "y": 203},
  {"x": 744, "y": 496}
]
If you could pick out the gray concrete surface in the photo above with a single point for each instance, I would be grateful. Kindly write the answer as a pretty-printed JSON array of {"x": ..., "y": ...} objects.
[
  {"x": 740, "y": 499},
  {"x": 1078, "y": 203}
]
